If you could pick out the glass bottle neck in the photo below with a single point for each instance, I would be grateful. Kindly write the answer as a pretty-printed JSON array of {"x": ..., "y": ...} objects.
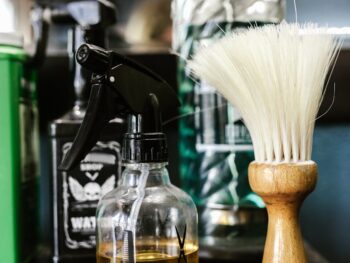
[{"x": 157, "y": 174}]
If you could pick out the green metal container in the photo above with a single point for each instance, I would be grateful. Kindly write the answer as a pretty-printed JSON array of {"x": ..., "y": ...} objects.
[{"x": 18, "y": 154}]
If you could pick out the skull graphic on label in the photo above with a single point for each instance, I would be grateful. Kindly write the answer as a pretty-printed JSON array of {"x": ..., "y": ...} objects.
[{"x": 91, "y": 191}]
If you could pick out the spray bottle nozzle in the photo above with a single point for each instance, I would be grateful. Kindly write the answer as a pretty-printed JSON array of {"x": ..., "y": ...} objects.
[
  {"x": 123, "y": 87},
  {"x": 100, "y": 61},
  {"x": 94, "y": 59}
]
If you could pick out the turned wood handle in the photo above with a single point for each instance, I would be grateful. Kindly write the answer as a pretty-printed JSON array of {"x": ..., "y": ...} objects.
[{"x": 283, "y": 187}]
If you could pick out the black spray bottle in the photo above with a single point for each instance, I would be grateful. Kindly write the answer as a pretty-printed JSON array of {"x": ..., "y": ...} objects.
[
  {"x": 76, "y": 192},
  {"x": 146, "y": 218}
]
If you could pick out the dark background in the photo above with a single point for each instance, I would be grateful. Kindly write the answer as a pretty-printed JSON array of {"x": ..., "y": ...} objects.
[{"x": 325, "y": 217}]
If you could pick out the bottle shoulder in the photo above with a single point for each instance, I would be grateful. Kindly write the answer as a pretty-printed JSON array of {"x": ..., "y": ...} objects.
[
  {"x": 69, "y": 124},
  {"x": 154, "y": 196},
  {"x": 181, "y": 194}
]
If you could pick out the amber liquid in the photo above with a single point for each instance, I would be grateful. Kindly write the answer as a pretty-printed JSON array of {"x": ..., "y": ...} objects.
[{"x": 145, "y": 253}]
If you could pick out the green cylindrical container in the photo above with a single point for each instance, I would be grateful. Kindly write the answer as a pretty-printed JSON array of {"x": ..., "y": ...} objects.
[{"x": 18, "y": 153}]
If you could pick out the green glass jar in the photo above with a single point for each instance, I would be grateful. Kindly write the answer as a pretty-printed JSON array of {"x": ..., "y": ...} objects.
[{"x": 215, "y": 146}]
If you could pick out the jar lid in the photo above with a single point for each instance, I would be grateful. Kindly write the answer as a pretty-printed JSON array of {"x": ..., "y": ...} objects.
[{"x": 11, "y": 39}]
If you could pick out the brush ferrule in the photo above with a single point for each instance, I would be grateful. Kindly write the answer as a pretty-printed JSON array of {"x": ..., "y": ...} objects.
[
  {"x": 275, "y": 163},
  {"x": 271, "y": 179}
]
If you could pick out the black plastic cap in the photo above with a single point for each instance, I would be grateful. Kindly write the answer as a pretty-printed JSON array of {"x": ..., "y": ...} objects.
[{"x": 144, "y": 148}]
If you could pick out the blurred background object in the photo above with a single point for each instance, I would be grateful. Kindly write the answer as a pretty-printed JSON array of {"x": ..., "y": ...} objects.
[
  {"x": 15, "y": 16},
  {"x": 149, "y": 23},
  {"x": 327, "y": 209},
  {"x": 76, "y": 193},
  {"x": 214, "y": 145}
]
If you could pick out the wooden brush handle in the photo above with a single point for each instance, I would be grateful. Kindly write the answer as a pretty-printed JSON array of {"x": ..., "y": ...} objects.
[{"x": 283, "y": 187}]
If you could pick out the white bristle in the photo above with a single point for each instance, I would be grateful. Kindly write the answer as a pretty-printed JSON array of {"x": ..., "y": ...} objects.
[{"x": 274, "y": 75}]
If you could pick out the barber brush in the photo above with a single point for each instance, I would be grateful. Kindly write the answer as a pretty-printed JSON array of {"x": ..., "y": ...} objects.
[{"x": 275, "y": 76}]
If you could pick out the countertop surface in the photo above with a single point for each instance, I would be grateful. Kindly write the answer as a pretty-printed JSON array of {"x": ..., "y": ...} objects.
[{"x": 242, "y": 250}]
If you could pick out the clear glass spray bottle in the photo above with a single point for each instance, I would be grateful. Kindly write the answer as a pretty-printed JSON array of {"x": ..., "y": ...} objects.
[{"x": 146, "y": 218}]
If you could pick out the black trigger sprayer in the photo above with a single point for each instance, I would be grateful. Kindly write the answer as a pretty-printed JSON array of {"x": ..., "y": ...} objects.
[
  {"x": 125, "y": 223},
  {"x": 121, "y": 86}
]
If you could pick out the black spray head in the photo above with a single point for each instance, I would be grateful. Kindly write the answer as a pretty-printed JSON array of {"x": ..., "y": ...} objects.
[{"x": 121, "y": 86}]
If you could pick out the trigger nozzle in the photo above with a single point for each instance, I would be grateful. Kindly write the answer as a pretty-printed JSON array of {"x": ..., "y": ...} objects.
[{"x": 93, "y": 58}]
